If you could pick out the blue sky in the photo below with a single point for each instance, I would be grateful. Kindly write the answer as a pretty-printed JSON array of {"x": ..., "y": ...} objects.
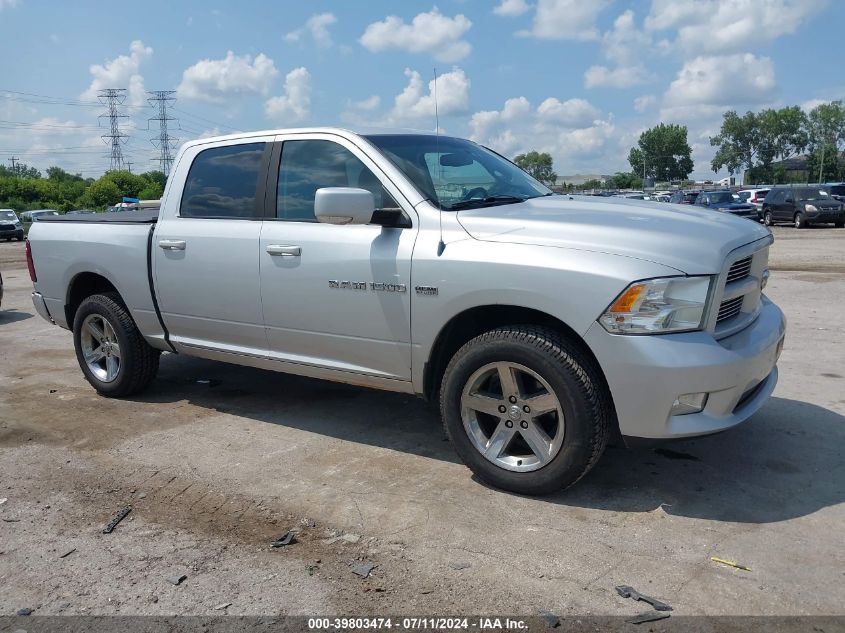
[{"x": 578, "y": 78}]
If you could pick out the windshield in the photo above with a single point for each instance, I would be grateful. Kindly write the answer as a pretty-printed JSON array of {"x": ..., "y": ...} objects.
[
  {"x": 812, "y": 193},
  {"x": 8, "y": 215},
  {"x": 722, "y": 197},
  {"x": 455, "y": 173}
]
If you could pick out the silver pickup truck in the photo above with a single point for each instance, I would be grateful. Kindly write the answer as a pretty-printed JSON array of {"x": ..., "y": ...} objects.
[{"x": 429, "y": 265}]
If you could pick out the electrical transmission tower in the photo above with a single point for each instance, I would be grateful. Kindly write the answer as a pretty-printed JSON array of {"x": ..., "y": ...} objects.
[
  {"x": 161, "y": 100},
  {"x": 113, "y": 98}
]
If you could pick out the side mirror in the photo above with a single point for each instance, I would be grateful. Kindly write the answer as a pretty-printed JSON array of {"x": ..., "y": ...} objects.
[{"x": 344, "y": 205}]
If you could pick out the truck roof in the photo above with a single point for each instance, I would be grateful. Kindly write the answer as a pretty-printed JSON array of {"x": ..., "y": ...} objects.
[{"x": 346, "y": 133}]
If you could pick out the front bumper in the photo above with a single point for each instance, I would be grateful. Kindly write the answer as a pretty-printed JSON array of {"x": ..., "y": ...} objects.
[
  {"x": 825, "y": 215},
  {"x": 5, "y": 233},
  {"x": 647, "y": 373}
]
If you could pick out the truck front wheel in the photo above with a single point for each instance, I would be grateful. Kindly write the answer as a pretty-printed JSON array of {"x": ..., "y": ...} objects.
[
  {"x": 526, "y": 410},
  {"x": 112, "y": 354}
]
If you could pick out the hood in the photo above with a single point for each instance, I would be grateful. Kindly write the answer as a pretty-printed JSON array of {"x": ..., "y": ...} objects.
[{"x": 693, "y": 240}]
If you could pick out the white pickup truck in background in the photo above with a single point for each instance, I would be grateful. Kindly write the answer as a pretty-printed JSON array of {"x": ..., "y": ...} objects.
[{"x": 427, "y": 265}]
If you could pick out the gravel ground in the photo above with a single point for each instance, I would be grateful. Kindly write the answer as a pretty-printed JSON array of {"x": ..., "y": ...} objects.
[{"x": 214, "y": 471}]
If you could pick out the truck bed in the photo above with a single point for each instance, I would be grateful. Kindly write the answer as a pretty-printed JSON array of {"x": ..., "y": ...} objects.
[{"x": 141, "y": 216}]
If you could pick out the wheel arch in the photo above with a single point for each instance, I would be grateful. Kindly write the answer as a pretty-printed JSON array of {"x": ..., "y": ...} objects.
[
  {"x": 82, "y": 286},
  {"x": 471, "y": 322}
]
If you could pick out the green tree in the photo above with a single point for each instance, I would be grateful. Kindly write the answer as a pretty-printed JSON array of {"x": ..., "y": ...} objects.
[
  {"x": 152, "y": 191},
  {"x": 625, "y": 180},
  {"x": 662, "y": 153},
  {"x": 102, "y": 193},
  {"x": 825, "y": 128},
  {"x": 738, "y": 142},
  {"x": 157, "y": 177},
  {"x": 129, "y": 184},
  {"x": 592, "y": 184},
  {"x": 20, "y": 170},
  {"x": 538, "y": 165},
  {"x": 60, "y": 175}
]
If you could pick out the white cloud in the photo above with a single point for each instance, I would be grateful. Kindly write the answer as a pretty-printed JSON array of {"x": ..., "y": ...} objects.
[
  {"x": 566, "y": 19},
  {"x": 625, "y": 46},
  {"x": 317, "y": 27},
  {"x": 711, "y": 81},
  {"x": 511, "y": 8},
  {"x": 8, "y": 4},
  {"x": 215, "y": 79},
  {"x": 572, "y": 112},
  {"x": 620, "y": 77},
  {"x": 121, "y": 72},
  {"x": 415, "y": 103},
  {"x": 368, "y": 104},
  {"x": 295, "y": 104},
  {"x": 572, "y": 131},
  {"x": 644, "y": 102},
  {"x": 729, "y": 25},
  {"x": 431, "y": 32}
]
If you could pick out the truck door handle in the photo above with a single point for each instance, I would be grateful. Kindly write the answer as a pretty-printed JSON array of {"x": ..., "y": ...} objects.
[
  {"x": 172, "y": 245},
  {"x": 280, "y": 250}
]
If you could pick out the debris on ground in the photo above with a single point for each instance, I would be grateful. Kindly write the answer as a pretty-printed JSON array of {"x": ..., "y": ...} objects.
[
  {"x": 670, "y": 454},
  {"x": 288, "y": 538},
  {"x": 3, "y": 500},
  {"x": 551, "y": 619},
  {"x": 729, "y": 563},
  {"x": 363, "y": 569},
  {"x": 143, "y": 495},
  {"x": 311, "y": 569},
  {"x": 648, "y": 616},
  {"x": 310, "y": 523},
  {"x": 629, "y": 592},
  {"x": 24, "y": 611},
  {"x": 176, "y": 579},
  {"x": 459, "y": 566},
  {"x": 346, "y": 538},
  {"x": 225, "y": 605},
  {"x": 117, "y": 519},
  {"x": 11, "y": 520},
  {"x": 68, "y": 553}
]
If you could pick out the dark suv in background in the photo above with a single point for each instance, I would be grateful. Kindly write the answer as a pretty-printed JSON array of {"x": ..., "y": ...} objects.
[
  {"x": 726, "y": 201},
  {"x": 803, "y": 205},
  {"x": 684, "y": 197}
]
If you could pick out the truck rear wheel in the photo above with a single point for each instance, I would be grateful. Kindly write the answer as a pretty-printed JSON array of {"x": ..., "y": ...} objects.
[
  {"x": 526, "y": 410},
  {"x": 112, "y": 354}
]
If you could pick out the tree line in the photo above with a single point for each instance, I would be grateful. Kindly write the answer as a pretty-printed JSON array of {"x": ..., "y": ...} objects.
[
  {"x": 757, "y": 141},
  {"x": 24, "y": 188}
]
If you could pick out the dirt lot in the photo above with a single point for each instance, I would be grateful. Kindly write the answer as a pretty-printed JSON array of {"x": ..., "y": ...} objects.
[{"x": 216, "y": 470}]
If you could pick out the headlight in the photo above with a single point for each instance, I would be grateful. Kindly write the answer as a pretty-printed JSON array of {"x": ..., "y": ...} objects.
[
  {"x": 657, "y": 306},
  {"x": 810, "y": 208}
]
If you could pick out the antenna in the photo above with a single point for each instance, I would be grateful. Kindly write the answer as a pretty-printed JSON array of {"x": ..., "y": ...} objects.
[{"x": 441, "y": 245}]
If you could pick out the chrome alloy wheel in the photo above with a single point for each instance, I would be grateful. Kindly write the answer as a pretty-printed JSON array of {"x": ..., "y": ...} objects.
[
  {"x": 100, "y": 347},
  {"x": 512, "y": 416}
]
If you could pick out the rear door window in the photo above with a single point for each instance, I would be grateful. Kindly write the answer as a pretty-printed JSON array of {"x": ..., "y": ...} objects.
[{"x": 223, "y": 182}]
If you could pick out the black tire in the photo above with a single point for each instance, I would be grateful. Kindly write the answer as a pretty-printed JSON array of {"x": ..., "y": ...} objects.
[
  {"x": 576, "y": 381},
  {"x": 800, "y": 221},
  {"x": 20, "y": 237},
  {"x": 138, "y": 361},
  {"x": 767, "y": 219}
]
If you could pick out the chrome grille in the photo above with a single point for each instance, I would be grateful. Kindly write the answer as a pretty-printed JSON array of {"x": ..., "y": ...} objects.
[
  {"x": 739, "y": 269},
  {"x": 729, "y": 309}
]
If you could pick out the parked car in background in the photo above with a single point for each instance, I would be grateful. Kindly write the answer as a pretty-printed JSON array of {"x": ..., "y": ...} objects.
[
  {"x": 836, "y": 190},
  {"x": 10, "y": 225},
  {"x": 684, "y": 197},
  {"x": 80, "y": 212},
  {"x": 755, "y": 197},
  {"x": 803, "y": 205},
  {"x": 727, "y": 202},
  {"x": 34, "y": 216}
]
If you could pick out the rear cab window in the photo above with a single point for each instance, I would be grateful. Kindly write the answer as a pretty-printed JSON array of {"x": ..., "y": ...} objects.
[{"x": 223, "y": 183}]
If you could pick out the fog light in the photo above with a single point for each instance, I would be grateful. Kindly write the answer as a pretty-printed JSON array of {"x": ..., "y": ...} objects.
[{"x": 689, "y": 403}]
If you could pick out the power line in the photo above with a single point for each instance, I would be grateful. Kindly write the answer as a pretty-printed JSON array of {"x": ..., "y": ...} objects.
[
  {"x": 12, "y": 160},
  {"x": 163, "y": 99},
  {"x": 113, "y": 98}
]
